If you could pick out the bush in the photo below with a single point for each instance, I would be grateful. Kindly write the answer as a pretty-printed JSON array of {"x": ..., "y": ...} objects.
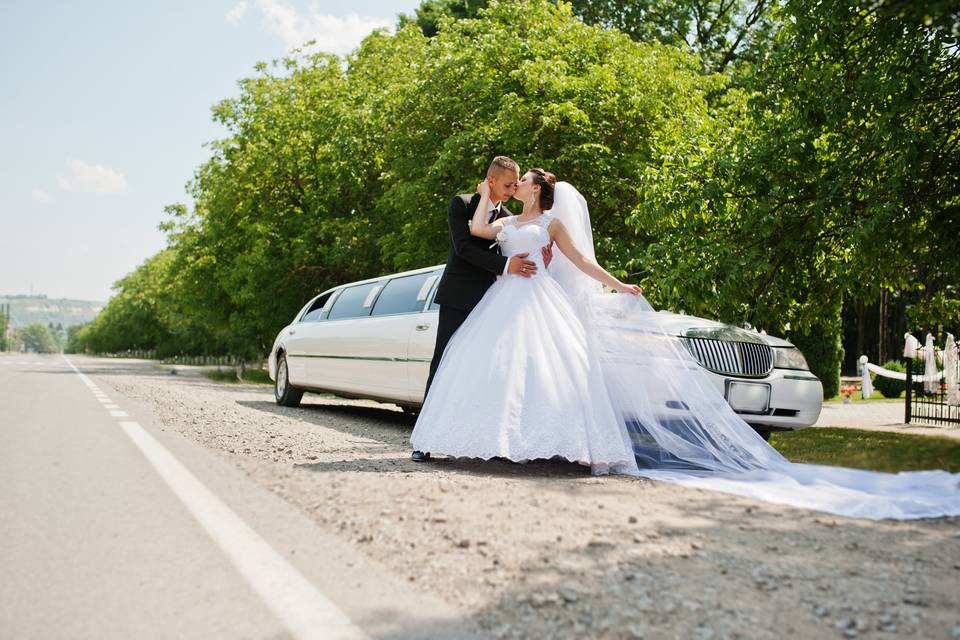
[
  {"x": 890, "y": 387},
  {"x": 824, "y": 353}
]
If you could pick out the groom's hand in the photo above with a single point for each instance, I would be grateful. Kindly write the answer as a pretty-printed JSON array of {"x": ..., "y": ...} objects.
[
  {"x": 520, "y": 266},
  {"x": 547, "y": 252}
]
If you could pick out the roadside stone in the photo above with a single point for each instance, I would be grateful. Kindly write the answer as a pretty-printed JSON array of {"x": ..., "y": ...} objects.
[
  {"x": 539, "y": 600},
  {"x": 634, "y": 632},
  {"x": 569, "y": 595}
]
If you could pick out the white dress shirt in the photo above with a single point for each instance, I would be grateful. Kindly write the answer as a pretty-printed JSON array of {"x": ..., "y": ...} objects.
[{"x": 491, "y": 214}]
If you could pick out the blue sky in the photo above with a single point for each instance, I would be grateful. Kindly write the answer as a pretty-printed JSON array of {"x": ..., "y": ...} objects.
[{"x": 104, "y": 109}]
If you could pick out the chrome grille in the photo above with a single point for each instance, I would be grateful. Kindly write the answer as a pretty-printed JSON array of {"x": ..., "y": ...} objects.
[{"x": 745, "y": 359}]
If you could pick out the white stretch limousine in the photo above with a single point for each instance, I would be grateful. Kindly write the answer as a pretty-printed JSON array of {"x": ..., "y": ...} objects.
[{"x": 374, "y": 339}]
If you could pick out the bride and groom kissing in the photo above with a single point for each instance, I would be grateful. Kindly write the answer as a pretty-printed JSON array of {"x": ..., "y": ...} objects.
[
  {"x": 534, "y": 360},
  {"x": 511, "y": 375}
]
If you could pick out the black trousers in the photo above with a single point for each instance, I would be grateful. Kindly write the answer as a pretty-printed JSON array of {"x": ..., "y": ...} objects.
[{"x": 450, "y": 320}]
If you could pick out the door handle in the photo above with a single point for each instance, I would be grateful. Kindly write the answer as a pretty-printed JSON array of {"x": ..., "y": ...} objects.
[{"x": 423, "y": 327}]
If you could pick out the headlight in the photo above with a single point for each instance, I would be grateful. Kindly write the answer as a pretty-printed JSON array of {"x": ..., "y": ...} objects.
[{"x": 789, "y": 358}]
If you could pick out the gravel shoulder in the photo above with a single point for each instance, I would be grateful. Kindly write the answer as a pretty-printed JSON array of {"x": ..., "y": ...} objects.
[{"x": 546, "y": 550}]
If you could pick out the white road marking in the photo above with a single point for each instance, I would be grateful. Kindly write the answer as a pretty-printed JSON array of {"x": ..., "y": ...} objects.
[
  {"x": 300, "y": 606},
  {"x": 119, "y": 414}
]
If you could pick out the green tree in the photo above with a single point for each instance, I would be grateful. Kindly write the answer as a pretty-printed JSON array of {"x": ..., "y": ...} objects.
[
  {"x": 721, "y": 32},
  {"x": 4, "y": 325},
  {"x": 36, "y": 338}
]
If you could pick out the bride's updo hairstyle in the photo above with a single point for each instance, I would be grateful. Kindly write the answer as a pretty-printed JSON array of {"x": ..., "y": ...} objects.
[{"x": 547, "y": 183}]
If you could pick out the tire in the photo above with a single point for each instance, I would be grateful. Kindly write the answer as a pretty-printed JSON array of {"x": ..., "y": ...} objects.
[{"x": 285, "y": 394}]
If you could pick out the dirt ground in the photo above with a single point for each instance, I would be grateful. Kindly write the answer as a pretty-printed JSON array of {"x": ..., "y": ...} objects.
[{"x": 544, "y": 550}]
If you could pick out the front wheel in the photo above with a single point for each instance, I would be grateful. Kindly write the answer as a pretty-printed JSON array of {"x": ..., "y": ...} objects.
[{"x": 285, "y": 394}]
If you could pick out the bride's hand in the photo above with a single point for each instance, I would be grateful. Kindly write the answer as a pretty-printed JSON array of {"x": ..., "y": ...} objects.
[
  {"x": 632, "y": 289},
  {"x": 484, "y": 189}
]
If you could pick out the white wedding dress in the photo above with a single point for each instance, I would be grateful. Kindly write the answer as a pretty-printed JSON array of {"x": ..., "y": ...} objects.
[{"x": 518, "y": 380}]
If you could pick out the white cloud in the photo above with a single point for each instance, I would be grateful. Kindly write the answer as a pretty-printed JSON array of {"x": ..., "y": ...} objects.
[
  {"x": 93, "y": 178},
  {"x": 40, "y": 195},
  {"x": 235, "y": 15},
  {"x": 334, "y": 34}
]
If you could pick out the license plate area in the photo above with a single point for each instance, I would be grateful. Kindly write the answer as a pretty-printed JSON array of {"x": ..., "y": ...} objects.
[{"x": 748, "y": 397}]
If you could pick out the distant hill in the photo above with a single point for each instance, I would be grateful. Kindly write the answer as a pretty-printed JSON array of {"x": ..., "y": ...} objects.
[{"x": 26, "y": 310}]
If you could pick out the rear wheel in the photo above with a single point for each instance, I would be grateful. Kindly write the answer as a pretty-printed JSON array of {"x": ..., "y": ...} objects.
[{"x": 285, "y": 394}]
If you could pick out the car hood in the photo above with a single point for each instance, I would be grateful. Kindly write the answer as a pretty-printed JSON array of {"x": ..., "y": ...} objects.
[{"x": 694, "y": 327}]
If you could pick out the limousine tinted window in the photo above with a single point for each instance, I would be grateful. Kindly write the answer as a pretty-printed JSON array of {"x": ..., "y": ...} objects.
[
  {"x": 403, "y": 295},
  {"x": 315, "y": 312},
  {"x": 353, "y": 303}
]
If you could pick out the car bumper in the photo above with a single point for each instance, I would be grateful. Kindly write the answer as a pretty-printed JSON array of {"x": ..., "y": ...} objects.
[{"x": 796, "y": 398}]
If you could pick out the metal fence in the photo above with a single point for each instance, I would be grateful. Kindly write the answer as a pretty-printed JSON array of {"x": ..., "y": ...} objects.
[{"x": 923, "y": 406}]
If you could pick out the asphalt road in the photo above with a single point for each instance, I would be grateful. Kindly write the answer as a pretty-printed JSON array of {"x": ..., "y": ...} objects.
[{"x": 113, "y": 527}]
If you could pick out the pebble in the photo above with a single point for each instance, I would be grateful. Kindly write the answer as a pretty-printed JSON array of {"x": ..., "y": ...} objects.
[
  {"x": 569, "y": 595},
  {"x": 540, "y": 600},
  {"x": 634, "y": 633}
]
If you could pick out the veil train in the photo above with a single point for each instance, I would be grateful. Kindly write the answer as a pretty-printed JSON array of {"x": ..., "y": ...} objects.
[{"x": 682, "y": 428}]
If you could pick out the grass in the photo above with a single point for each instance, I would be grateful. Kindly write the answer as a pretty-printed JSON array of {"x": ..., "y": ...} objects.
[
  {"x": 873, "y": 450},
  {"x": 251, "y": 376}
]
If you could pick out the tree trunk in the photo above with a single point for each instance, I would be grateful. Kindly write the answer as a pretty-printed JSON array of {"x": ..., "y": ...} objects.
[{"x": 883, "y": 326}]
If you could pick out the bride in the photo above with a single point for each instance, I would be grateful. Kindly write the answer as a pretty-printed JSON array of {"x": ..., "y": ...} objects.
[{"x": 553, "y": 366}]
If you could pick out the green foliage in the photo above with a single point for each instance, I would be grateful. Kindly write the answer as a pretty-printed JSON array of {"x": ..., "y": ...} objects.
[
  {"x": 4, "y": 325},
  {"x": 821, "y": 345},
  {"x": 429, "y": 15},
  {"x": 74, "y": 342},
  {"x": 36, "y": 338},
  {"x": 721, "y": 32},
  {"x": 890, "y": 387}
]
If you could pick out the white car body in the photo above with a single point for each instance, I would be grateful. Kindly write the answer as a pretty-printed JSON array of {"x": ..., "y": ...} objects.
[{"x": 378, "y": 346}]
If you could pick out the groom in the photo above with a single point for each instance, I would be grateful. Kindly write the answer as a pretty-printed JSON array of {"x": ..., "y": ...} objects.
[{"x": 473, "y": 264}]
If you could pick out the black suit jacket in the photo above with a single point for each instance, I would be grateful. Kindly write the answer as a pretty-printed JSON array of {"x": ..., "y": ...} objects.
[{"x": 472, "y": 265}]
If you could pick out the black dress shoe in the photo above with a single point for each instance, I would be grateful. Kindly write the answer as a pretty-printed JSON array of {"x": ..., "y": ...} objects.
[{"x": 420, "y": 456}]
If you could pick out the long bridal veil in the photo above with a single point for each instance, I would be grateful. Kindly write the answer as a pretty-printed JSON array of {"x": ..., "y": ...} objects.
[{"x": 681, "y": 426}]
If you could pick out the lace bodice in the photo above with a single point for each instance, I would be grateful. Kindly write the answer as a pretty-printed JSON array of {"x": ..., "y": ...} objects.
[{"x": 527, "y": 237}]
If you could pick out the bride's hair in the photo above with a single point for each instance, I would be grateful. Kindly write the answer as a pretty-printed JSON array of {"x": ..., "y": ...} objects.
[{"x": 547, "y": 183}]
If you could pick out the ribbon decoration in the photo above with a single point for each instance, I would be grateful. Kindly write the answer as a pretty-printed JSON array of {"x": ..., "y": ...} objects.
[
  {"x": 932, "y": 375},
  {"x": 950, "y": 369}
]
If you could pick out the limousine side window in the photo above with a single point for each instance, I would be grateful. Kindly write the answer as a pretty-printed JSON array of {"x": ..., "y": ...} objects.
[
  {"x": 353, "y": 302},
  {"x": 315, "y": 312},
  {"x": 433, "y": 300},
  {"x": 404, "y": 295}
]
